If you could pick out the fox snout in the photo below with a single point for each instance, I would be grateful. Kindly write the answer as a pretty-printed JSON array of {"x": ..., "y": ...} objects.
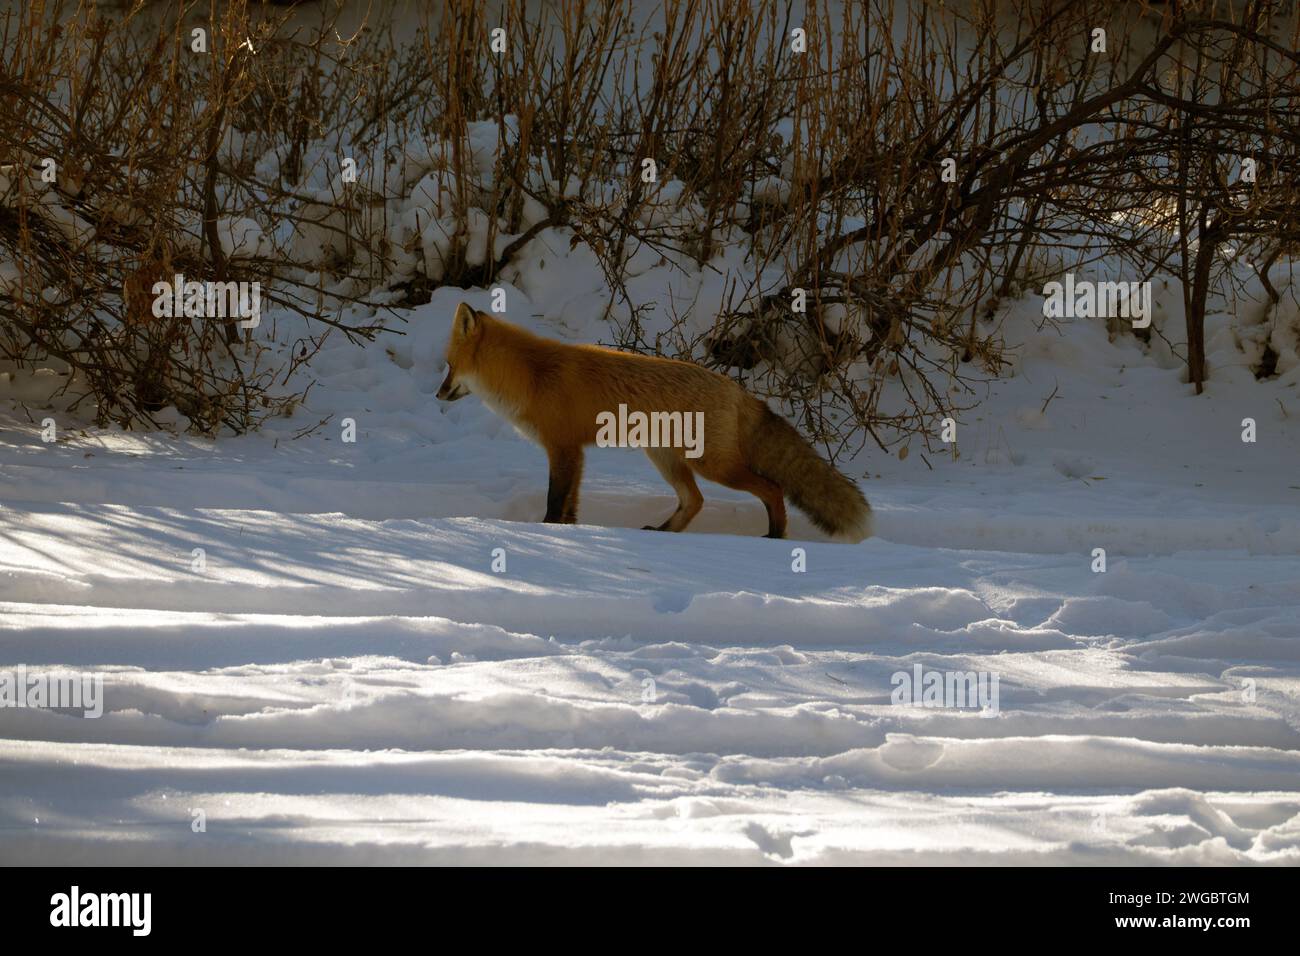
[{"x": 450, "y": 390}]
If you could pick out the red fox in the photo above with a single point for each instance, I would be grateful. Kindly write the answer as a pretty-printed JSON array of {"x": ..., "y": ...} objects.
[{"x": 557, "y": 394}]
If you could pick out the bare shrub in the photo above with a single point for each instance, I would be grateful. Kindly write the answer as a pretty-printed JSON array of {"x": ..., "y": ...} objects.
[{"x": 871, "y": 195}]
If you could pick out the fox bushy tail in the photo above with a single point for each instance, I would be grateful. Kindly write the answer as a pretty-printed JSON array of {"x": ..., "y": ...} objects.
[{"x": 834, "y": 503}]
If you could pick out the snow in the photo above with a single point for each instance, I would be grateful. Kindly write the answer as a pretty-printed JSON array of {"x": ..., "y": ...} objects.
[
  {"x": 347, "y": 679},
  {"x": 346, "y": 674}
]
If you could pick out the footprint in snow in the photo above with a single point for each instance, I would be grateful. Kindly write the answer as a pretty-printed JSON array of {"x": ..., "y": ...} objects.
[
  {"x": 1074, "y": 467},
  {"x": 774, "y": 843},
  {"x": 672, "y": 602},
  {"x": 909, "y": 753}
]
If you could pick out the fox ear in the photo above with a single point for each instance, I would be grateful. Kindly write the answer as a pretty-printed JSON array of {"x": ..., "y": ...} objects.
[{"x": 466, "y": 321}]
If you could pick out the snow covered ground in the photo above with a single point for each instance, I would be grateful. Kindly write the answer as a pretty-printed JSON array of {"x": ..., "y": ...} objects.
[
  {"x": 347, "y": 679},
  {"x": 319, "y": 651}
]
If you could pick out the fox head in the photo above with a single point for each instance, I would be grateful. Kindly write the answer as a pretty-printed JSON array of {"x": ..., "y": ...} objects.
[{"x": 466, "y": 330}]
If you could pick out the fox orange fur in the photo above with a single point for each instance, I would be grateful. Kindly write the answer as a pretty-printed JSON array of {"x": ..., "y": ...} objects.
[{"x": 552, "y": 392}]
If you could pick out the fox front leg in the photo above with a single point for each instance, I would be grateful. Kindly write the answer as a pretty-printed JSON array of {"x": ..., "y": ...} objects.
[
  {"x": 562, "y": 492},
  {"x": 569, "y": 515},
  {"x": 677, "y": 473}
]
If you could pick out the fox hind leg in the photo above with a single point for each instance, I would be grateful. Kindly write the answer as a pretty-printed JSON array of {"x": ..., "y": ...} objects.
[
  {"x": 764, "y": 489},
  {"x": 677, "y": 473},
  {"x": 562, "y": 491}
]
